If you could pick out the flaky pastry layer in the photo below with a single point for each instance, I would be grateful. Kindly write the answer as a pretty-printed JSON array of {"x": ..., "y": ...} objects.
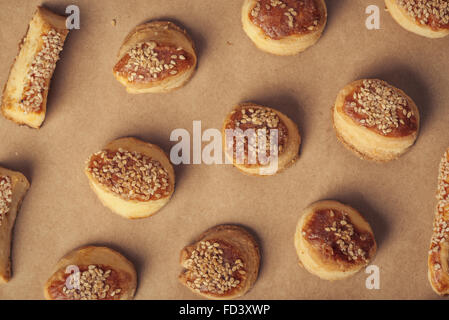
[
  {"x": 333, "y": 241},
  {"x": 364, "y": 141},
  {"x": 133, "y": 209}
]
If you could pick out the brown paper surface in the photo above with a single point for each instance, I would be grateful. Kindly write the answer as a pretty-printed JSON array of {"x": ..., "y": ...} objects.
[{"x": 87, "y": 108}]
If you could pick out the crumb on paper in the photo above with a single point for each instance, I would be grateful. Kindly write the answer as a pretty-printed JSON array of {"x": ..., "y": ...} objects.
[
  {"x": 229, "y": 43},
  {"x": 114, "y": 22}
]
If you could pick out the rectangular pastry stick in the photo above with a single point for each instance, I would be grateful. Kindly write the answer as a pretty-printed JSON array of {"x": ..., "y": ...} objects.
[
  {"x": 13, "y": 187},
  {"x": 438, "y": 261},
  {"x": 25, "y": 94}
]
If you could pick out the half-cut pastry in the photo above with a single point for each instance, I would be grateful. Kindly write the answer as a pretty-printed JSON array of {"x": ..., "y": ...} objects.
[
  {"x": 13, "y": 187},
  {"x": 259, "y": 140},
  {"x": 156, "y": 56},
  {"x": 284, "y": 27},
  {"x": 375, "y": 120},
  {"x": 25, "y": 94},
  {"x": 333, "y": 240},
  {"x": 428, "y": 18},
  {"x": 438, "y": 262},
  {"x": 92, "y": 273},
  {"x": 131, "y": 177},
  {"x": 222, "y": 264}
]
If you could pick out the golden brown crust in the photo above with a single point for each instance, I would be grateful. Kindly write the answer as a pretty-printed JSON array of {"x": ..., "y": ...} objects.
[
  {"x": 13, "y": 187},
  {"x": 25, "y": 94},
  {"x": 76, "y": 273},
  {"x": 376, "y": 125},
  {"x": 428, "y": 18},
  {"x": 279, "y": 19},
  {"x": 141, "y": 187},
  {"x": 284, "y": 27},
  {"x": 249, "y": 116},
  {"x": 438, "y": 259},
  {"x": 333, "y": 241},
  {"x": 233, "y": 269},
  {"x": 157, "y": 56}
]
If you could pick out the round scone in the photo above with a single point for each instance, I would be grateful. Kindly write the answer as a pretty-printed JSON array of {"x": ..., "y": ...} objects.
[
  {"x": 131, "y": 177},
  {"x": 375, "y": 120},
  {"x": 284, "y": 27},
  {"x": 428, "y": 18},
  {"x": 92, "y": 273},
  {"x": 259, "y": 140},
  {"x": 333, "y": 240},
  {"x": 222, "y": 264},
  {"x": 156, "y": 56}
]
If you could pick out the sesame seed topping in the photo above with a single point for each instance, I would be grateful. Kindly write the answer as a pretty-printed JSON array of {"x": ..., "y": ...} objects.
[
  {"x": 131, "y": 175},
  {"x": 441, "y": 222},
  {"x": 256, "y": 10},
  {"x": 333, "y": 232},
  {"x": 93, "y": 284},
  {"x": 263, "y": 121},
  {"x": 282, "y": 18},
  {"x": 382, "y": 107},
  {"x": 259, "y": 117},
  {"x": 40, "y": 72},
  {"x": 147, "y": 61},
  {"x": 427, "y": 12},
  {"x": 5, "y": 196},
  {"x": 209, "y": 268}
]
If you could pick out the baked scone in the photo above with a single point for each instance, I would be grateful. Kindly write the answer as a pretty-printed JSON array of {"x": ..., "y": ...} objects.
[
  {"x": 284, "y": 27},
  {"x": 428, "y": 18},
  {"x": 375, "y": 120},
  {"x": 156, "y": 56},
  {"x": 25, "y": 94},
  {"x": 13, "y": 187},
  {"x": 92, "y": 273},
  {"x": 333, "y": 240},
  {"x": 279, "y": 143},
  {"x": 438, "y": 261},
  {"x": 131, "y": 177},
  {"x": 222, "y": 264}
]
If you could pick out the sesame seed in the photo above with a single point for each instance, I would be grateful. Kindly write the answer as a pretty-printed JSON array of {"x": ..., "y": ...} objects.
[
  {"x": 145, "y": 59},
  {"x": 433, "y": 12},
  {"x": 93, "y": 284},
  {"x": 5, "y": 196},
  {"x": 297, "y": 16},
  {"x": 380, "y": 106},
  {"x": 40, "y": 71},
  {"x": 441, "y": 221},
  {"x": 130, "y": 175},
  {"x": 255, "y": 11},
  {"x": 262, "y": 120},
  {"x": 209, "y": 270},
  {"x": 340, "y": 237}
]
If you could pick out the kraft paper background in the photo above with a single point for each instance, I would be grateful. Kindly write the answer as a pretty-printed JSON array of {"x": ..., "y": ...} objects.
[{"x": 87, "y": 108}]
